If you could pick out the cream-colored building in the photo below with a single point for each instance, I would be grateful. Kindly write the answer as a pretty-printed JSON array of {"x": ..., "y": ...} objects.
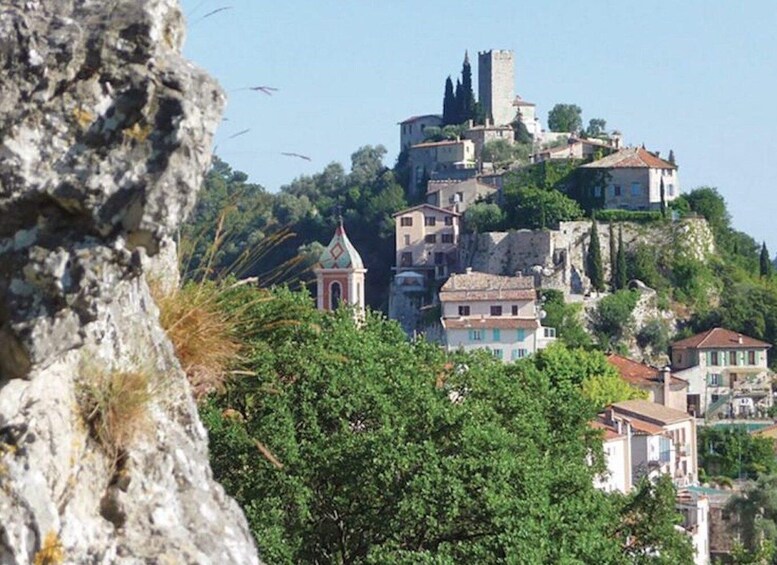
[
  {"x": 438, "y": 157},
  {"x": 574, "y": 148},
  {"x": 529, "y": 117},
  {"x": 412, "y": 131},
  {"x": 663, "y": 440},
  {"x": 426, "y": 239},
  {"x": 457, "y": 195},
  {"x": 493, "y": 312},
  {"x": 727, "y": 373},
  {"x": 635, "y": 178},
  {"x": 616, "y": 443}
]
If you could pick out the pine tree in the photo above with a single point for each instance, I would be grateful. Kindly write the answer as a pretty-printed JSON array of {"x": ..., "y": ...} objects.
[
  {"x": 448, "y": 104},
  {"x": 468, "y": 96},
  {"x": 594, "y": 260},
  {"x": 459, "y": 97},
  {"x": 766, "y": 262},
  {"x": 613, "y": 259},
  {"x": 622, "y": 279},
  {"x": 671, "y": 157}
]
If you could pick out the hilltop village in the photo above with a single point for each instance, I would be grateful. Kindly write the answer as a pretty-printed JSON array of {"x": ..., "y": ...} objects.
[{"x": 470, "y": 290}]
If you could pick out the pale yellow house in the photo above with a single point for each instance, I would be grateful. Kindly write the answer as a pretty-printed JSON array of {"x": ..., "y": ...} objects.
[
  {"x": 427, "y": 240},
  {"x": 440, "y": 157}
]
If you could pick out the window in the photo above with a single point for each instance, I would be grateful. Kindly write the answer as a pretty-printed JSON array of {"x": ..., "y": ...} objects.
[
  {"x": 431, "y": 238},
  {"x": 459, "y": 198},
  {"x": 476, "y": 335},
  {"x": 597, "y": 191},
  {"x": 496, "y": 310},
  {"x": 751, "y": 357},
  {"x": 521, "y": 334},
  {"x": 550, "y": 332},
  {"x": 335, "y": 294},
  {"x": 713, "y": 358},
  {"x": 430, "y": 220},
  {"x": 617, "y": 189},
  {"x": 463, "y": 310},
  {"x": 447, "y": 238},
  {"x": 670, "y": 189},
  {"x": 518, "y": 354},
  {"x": 406, "y": 260},
  {"x": 715, "y": 379},
  {"x": 498, "y": 353},
  {"x": 732, "y": 357},
  {"x": 407, "y": 239},
  {"x": 497, "y": 334},
  {"x": 636, "y": 189},
  {"x": 439, "y": 258},
  {"x": 406, "y": 221},
  {"x": 515, "y": 309},
  {"x": 448, "y": 220}
]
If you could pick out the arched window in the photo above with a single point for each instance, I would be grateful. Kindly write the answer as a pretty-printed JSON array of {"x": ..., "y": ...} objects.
[{"x": 335, "y": 295}]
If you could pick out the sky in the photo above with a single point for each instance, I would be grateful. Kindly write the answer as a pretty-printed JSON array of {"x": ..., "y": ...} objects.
[{"x": 698, "y": 77}]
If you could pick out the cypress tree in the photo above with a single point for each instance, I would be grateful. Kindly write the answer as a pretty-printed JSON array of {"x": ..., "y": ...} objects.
[
  {"x": 448, "y": 104},
  {"x": 468, "y": 96},
  {"x": 613, "y": 259},
  {"x": 766, "y": 263},
  {"x": 594, "y": 260},
  {"x": 663, "y": 199},
  {"x": 459, "y": 97},
  {"x": 622, "y": 279}
]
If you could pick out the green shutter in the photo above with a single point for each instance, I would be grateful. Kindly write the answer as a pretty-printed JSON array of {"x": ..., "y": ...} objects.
[{"x": 497, "y": 334}]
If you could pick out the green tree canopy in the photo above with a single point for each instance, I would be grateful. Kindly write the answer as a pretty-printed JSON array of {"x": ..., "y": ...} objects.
[
  {"x": 613, "y": 320},
  {"x": 449, "y": 104},
  {"x": 535, "y": 208},
  {"x": 565, "y": 117},
  {"x": 482, "y": 217},
  {"x": 597, "y": 127}
]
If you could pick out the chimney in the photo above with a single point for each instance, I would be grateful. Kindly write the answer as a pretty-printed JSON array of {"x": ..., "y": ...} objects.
[
  {"x": 666, "y": 374},
  {"x": 468, "y": 270},
  {"x": 739, "y": 339}
]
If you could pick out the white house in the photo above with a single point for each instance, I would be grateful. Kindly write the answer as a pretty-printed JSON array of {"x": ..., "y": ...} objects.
[{"x": 498, "y": 313}]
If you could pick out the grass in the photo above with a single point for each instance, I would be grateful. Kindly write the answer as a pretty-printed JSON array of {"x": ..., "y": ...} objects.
[{"x": 115, "y": 406}]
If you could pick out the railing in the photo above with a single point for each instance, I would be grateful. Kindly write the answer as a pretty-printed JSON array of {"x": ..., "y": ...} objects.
[{"x": 717, "y": 405}]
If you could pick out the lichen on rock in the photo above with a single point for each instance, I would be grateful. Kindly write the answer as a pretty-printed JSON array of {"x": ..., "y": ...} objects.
[{"x": 105, "y": 134}]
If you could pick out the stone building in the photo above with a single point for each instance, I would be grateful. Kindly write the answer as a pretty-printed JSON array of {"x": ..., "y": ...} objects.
[
  {"x": 412, "y": 131},
  {"x": 635, "y": 179},
  {"x": 340, "y": 274},
  {"x": 480, "y": 135},
  {"x": 437, "y": 159},
  {"x": 457, "y": 195},
  {"x": 659, "y": 384},
  {"x": 496, "y": 85},
  {"x": 427, "y": 240}
]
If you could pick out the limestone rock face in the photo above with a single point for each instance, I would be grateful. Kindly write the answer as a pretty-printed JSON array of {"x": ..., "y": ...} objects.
[{"x": 105, "y": 133}]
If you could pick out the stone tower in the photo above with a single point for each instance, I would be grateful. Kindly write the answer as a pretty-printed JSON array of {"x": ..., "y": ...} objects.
[
  {"x": 340, "y": 274},
  {"x": 496, "y": 85}
]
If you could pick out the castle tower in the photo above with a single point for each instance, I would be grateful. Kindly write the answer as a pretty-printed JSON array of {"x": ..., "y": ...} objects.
[
  {"x": 496, "y": 85},
  {"x": 340, "y": 274}
]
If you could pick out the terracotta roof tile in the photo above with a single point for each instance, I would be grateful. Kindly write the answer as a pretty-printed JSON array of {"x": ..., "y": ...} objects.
[
  {"x": 484, "y": 286},
  {"x": 650, "y": 412},
  {"x": 719, "y": 338},
  {"x": 633, "y": 372},
  {"x": 610, "y": 433},
  {"x": 631, "y": 158}
]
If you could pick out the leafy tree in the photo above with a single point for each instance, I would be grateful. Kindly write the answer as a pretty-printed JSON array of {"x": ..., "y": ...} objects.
[
  {"x": 756, "y": 510},
  {"x": 642, "y": 264},
  {"x": 648, "y": 526},
  {"x": 502, "y": 153},
  {"x": 352, "y": 445},
  {"x": 622, "y": 273},
  {"x": 765, "y": 262},
  {"x": 566, "y": 318},
  {"x": 612, "y": 319},
  {"x": 594, "y": 259},
  {"x": 536, "y": 208},
  {"x": 565, "y": 117},
  {"x": 483, "y": 217},
  {"x": 449, "y": 104},
  {"x": 654, "y": 334},
  {"x": 520, "y": 133},
  {"x": 609, "y": 389},
  {"x": 733, "y": 452},
  {"x": 597, "y": 127}
]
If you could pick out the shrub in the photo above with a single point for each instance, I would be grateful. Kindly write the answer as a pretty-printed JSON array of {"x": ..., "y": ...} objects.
[
  {"x": 203, "y": 332},
  {"x": 114, "y": 405},
  {"x": 654, "y": 334},
  {"x": 612, "y": 318}
]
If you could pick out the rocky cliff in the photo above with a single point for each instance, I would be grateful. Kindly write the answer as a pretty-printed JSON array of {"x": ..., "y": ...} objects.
[{"x": 105, "y": 133}]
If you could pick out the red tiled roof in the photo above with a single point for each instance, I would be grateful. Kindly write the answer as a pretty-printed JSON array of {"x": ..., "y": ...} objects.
[
  {"x": 475, "y": 285},
  {"x": 430, "y": 206},
  {"x": 610, "y": 433},
  {"x": 633, "y": 372},
  {"x": 719, "y": 338},
  {"x": 631, "y": 158},
  {"x": 645, "y": 427},
  {"x": 490, "y": 323}
]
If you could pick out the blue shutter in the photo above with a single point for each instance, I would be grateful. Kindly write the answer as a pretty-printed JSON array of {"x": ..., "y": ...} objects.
[{"x": 497, "y": 334}]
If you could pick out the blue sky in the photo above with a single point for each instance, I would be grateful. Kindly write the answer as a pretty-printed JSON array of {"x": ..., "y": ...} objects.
[{"x": 698, "y": 77}]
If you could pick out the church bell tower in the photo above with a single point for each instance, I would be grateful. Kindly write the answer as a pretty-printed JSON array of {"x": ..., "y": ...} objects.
[{"x": 340, "y": 274}]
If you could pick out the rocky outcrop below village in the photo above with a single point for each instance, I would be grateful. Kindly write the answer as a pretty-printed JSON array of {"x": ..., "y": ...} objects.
[{"x": 105, "y": 133}]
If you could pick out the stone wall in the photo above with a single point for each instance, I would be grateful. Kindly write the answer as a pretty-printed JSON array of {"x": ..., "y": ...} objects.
[{"x": 105, "y": 134}]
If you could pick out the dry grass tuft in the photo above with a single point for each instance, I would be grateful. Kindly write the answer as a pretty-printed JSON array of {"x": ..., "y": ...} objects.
[
  {"x": 51, "y": 553},
  {"x": 203, "y": 333},
  {"x": 115, "y": 406}
]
